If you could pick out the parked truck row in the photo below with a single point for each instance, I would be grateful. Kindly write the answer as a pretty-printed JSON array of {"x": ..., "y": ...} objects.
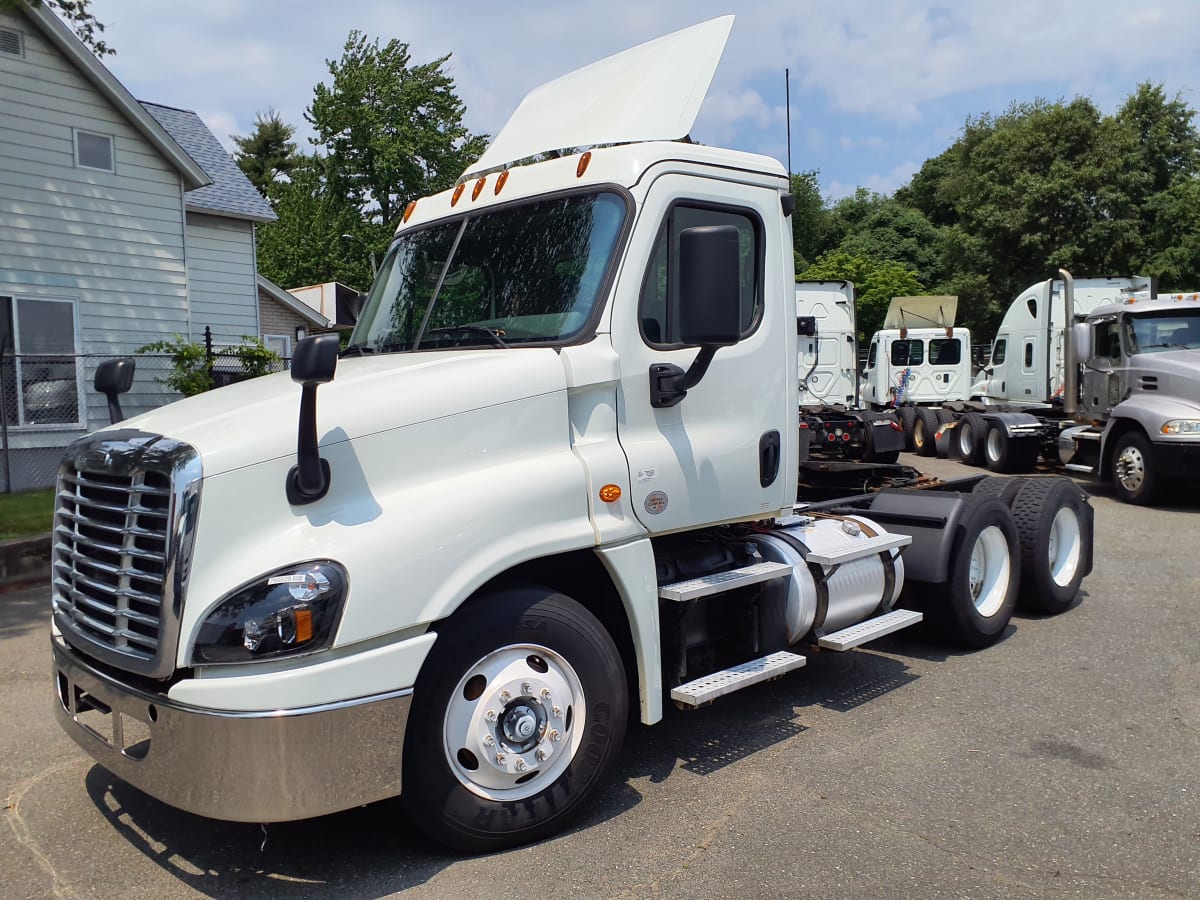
[{"x": 554, "y": 480}]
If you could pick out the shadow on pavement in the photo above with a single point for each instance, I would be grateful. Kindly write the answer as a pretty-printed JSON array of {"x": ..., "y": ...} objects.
[{"x": 24, "y": 610}]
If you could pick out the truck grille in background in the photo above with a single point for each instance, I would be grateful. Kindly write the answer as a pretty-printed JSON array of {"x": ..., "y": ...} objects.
[{"x": 110, "y": 557}]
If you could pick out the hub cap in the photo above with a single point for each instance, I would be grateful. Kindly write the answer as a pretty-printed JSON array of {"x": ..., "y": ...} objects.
[
  {"x": 514, "y": 722},
  {"x": 1131, "y": 468},
  {"x": 1065, "y": 546},
  {"x": 989, "y": 568}
]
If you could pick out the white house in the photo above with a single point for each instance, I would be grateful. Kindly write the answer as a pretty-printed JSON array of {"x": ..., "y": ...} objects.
[{"x": 121, "y": 223}]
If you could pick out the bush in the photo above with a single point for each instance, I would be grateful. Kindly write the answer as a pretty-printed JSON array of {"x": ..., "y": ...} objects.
[{"x": 193, "y": 367}]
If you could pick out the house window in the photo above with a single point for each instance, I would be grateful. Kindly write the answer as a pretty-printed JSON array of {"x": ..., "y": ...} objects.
[
  {"x": 660, "y": 300},
  {"x": 279, "y": 344},
  {"x": 39, "y": 372},
  {"x": 93, "y": 151},
  {"x": 12, "y": 42}
]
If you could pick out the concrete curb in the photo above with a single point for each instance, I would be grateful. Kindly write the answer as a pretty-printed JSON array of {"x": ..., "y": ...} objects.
[{"x": 24, "y": 561}]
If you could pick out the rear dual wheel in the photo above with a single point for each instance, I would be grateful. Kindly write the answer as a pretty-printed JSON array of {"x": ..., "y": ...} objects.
[
  {"x": 924, "y": 431},
  {"x": 1003, "y": 453},
  {"x": 969, "y": 439},
  {"x": 975, "y": 604}
]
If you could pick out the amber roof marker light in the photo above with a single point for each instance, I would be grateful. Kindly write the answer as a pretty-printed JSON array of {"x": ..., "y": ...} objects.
[{"x": 584, "y": 161}]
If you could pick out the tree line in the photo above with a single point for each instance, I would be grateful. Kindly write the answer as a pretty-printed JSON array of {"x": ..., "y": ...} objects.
[{"x": 1045, "y": 184}]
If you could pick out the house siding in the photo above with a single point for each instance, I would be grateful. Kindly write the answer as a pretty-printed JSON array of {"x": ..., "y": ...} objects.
[
  {"x": 221, "y": 276},
  {"x": 111, "y": 242}
]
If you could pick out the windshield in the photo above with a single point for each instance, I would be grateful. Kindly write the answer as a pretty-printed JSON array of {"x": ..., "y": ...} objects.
[
  {"x": 1157, "y": 332},
  {"x": 525, "y": 274}
]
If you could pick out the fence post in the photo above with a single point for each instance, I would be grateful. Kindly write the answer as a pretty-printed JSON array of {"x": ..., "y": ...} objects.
[
  {"x": 4, "y": 424},
  {"x": 208, "y": 352}
]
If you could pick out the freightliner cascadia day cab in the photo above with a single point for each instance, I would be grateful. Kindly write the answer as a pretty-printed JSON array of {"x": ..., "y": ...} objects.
[{"x": 551, "y": 487}]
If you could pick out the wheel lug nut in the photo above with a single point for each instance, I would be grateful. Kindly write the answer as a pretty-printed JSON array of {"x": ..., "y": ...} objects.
[
  {"x": 490, "y": 715},
  {"x": 554, "y": 735},
  {"x": 505, "y": 696},
  {"x": 489, "y": 741},
  {"x": 541, "y": 755},
  {"x": 545, "y": 694},
  {"x": 520, "y": 764},
  {"x": 500, "y": 759},
  {"x": 557, "y": 712},
  {"x": 527, "y": 688}
]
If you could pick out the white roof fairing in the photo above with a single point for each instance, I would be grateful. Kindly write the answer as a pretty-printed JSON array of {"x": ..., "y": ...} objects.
[{"x": 651, "y": 92}]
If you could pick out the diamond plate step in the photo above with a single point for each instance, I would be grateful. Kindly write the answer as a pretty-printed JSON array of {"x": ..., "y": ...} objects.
[
  {"x": 719, "y": 583},
  {"x": 860, "y": 549},
  {"x": 870, "y": 629},
  {"x": 718, "y": 684}
]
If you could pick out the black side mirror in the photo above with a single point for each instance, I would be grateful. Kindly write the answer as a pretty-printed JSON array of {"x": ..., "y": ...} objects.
[
  {"x": 313, "y": 364},
  {"x": 710, "y": 314},
  {"x": 113, "y": 378}
]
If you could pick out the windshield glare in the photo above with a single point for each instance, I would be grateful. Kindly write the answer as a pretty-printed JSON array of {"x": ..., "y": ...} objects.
[
  {"x": 525, "y": 274},
  {"x": 1155, "y": 333}
]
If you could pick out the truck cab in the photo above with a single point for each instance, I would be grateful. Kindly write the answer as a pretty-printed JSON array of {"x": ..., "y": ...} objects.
[{"x": 922, "y": 366}]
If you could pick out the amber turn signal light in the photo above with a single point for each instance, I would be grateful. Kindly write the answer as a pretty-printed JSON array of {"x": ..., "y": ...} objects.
[{"x": 610, "y": 493}]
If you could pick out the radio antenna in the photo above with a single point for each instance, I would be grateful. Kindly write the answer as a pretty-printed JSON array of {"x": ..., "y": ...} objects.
[{"x": 787, "y": 100}]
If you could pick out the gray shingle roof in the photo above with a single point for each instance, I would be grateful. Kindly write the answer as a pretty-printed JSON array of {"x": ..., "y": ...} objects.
[{"x": 231, "y": 193}]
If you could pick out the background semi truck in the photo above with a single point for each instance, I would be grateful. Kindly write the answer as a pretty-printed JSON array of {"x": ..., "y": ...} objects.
[
  {"x": 554, "y": 481},
  {"x": 831, "y": 412},
  {"x": 1101, "y": 376}
]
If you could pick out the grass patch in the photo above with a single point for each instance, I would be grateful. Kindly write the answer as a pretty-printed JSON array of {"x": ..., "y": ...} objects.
[{"x": 26, "y": 515}]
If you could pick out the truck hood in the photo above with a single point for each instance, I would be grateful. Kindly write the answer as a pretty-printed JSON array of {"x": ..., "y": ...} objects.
[{"x": 257, "y": 420}]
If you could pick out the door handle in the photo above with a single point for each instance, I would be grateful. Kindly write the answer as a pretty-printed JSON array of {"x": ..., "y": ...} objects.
[{"x": 768, "y": 458}]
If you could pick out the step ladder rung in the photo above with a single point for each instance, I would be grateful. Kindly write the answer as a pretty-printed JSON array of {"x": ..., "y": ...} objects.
[
  {"x": 720, "y": 582},
  {"x": 869, "y": 630},
  {"x": 860, "y": 549},
  {"x": 718, "y": 684}
]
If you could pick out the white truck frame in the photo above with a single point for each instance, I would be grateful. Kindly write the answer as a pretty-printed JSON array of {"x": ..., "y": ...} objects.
[{"x": 541, "y": 492}]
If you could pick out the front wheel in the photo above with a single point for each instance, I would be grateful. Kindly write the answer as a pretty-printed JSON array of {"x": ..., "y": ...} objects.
[
  {"x": 517, "y": 716},
  {"x": 1134, "y": 476}
]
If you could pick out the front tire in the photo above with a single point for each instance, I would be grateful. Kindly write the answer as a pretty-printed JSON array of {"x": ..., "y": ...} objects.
[
  {"x": 1134, "y": 475},
  {"x": 518, "y": 715}
]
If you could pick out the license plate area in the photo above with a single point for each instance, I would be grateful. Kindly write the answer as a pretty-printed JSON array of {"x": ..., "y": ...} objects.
[{"x": 118, "y": 729}]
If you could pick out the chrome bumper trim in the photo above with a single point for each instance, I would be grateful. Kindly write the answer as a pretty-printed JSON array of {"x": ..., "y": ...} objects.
[{"x": 270, "y": 766}]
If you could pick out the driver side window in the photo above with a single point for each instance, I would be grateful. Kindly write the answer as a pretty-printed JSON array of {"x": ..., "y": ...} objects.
[{"x": 660, "y": 301}]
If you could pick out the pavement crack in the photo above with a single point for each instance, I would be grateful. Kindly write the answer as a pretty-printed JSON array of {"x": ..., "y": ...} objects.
[{"x": 12, "y": 812}]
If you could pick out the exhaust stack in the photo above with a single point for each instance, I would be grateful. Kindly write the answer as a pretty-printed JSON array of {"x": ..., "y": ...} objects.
[{"x": 1070, "y": 363}]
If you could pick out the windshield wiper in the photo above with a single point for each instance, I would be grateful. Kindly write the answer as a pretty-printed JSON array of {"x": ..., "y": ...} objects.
[{"x": 493, "y": 333}]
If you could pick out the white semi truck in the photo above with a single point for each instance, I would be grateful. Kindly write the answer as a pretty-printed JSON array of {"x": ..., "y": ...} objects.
[
  {"x": 1114, "y": 394},
  {"x": 553, "y": 481},
  {"x": 831, "y": 413}
]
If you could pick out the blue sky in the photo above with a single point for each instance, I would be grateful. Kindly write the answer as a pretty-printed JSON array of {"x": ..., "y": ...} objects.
[{"x": 877, "y": 86}]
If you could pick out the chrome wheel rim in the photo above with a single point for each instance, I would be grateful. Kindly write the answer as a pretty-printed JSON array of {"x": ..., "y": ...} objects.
[
  {"x": 514, "y": 722},
  {"x": 988, "y": 575},
  {"x": 1131, "y": 468}
]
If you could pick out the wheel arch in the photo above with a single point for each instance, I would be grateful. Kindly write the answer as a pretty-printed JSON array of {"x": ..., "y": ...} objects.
[{"x": 1117, "y": 427}]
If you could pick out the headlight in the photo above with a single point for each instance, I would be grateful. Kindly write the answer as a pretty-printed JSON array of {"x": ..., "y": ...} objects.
[
  {"x": 1181, "y": 426},
  {"x": 290, "y": 611}
]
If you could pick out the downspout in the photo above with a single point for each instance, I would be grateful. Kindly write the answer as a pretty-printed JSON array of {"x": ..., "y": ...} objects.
[{"x": 1070, "y": 363}]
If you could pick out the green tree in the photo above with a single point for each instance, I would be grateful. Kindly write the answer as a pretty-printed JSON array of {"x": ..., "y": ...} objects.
[
  {"x": 268, "y": 152},
  {"x": 878, "y": 227},
  {"x": 392, "y": 130},
  {"x": 77, "y": 14},
  {"x": 876, "y": 282},
  {"x": 809, "y": 219}
]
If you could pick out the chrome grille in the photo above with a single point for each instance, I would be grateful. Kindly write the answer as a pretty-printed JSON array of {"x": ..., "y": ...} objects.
[
  {"x": 111, "y": 555},
  {"x": 122, "y": 530}
]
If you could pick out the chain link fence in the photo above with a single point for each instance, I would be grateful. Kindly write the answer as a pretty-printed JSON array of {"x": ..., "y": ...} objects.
[{"x": 47, "y": 402}]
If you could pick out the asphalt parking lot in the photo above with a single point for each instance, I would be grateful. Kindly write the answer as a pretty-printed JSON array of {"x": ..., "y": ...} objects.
[{"x": 1064, "y": 761}]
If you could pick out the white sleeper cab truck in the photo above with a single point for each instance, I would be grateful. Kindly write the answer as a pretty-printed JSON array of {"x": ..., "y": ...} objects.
[
  {"x": 1116, "y": 395},
  {"x": 549, "y": 486},
  {"x": 830, "y": 412}
]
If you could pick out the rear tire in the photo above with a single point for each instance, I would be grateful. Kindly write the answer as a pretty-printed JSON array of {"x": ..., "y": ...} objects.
[
  {"x": 976, "y": 602},
  {"x": 529, "y": 682},
  {"x": 1002, "y": 453},
  {"x": 908, "y": 418},
  {"x": 1004, "y": 488},
  {"x": 969, "y": 439},
  {"x": 924, "y": 429},
  {"x": 1055, "y": 532}
]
